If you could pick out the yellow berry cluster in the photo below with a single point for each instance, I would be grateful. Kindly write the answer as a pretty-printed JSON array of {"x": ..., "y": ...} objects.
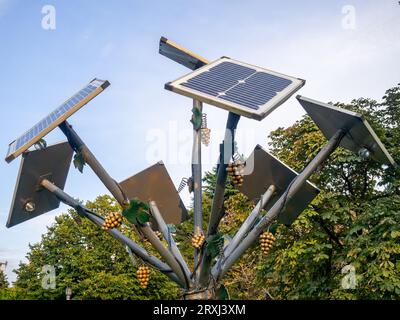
[
  {"x": 267, "y": 239},
  {"x": 143, "y": 275},
  {"x": 198, "y": 240},
  {"x": 205, "y": 136},
  {"x": 113, "y": 220},
  {"x": 235, "y": 171}
]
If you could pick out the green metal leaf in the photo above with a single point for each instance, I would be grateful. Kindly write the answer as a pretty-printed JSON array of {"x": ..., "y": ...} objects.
[
  {"x": 130, "y": 216},
  {"x": 137, "y": 213},
  {"x": 79, "y": 162},
  {"x": 143, "y": 217},
  {"x": 196, "y": 119}
]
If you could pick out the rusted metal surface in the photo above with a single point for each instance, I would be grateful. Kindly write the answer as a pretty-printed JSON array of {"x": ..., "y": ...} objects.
[
  {"x": 52, "y": 163},
  {"x": 155, "y": 184}
]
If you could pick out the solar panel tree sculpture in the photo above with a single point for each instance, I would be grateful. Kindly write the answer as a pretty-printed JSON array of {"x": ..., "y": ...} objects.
[{"x": 149, "y": 199}]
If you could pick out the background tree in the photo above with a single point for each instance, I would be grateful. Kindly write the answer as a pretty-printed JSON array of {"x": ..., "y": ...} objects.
[
  {"x": 354, "y": 221},
  {"x": 3, "y": 280},
  {"x": 88, "y": 260}
]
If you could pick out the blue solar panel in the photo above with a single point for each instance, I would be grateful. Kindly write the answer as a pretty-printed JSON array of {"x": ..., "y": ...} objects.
[
  {"x": 219, "y": 78},
  {"x": 55, "y": 118},
  {"x": 239, "y": 84},
  {"x": 238, "y": 87}
]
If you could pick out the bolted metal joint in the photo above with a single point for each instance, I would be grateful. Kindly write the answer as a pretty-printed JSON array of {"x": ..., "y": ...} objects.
[{"x": 29, "y": 206}]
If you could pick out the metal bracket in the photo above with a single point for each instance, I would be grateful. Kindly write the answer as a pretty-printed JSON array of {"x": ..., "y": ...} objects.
[
  {"x": 48, "y": 176},
  {"x": 183, "y": 184},
  {"x": 40, "y": 145}
]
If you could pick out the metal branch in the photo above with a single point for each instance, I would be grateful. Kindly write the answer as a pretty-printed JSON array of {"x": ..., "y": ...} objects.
[
  {"x": 196, "y": 174},
  {"x": 79, "y": 146},
  {"x": 226, "y": 152},
  {"x": 248, "y": 223},
  {"x": 169, "y": 258},
  {"x": 138, "y": 250},
  {"x": 273, "y": 213},
  {"x": 171, "y": 243}
]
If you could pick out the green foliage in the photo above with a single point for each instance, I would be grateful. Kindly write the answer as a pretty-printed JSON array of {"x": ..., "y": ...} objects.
[
  {"x": 210, "y": 181},
  {"x": 13, "y": 293},
  {"x": 138, "y": 213},
  {"x": 354, "y": 221},
  {"x": 89, "y": 261},
  {"x": 3, "y": 280}
]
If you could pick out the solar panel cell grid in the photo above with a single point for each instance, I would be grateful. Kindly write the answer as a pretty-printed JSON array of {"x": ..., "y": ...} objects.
[
  {"x": 219, "y": 78},
  {"x": 51, "y": 121},
  {"x": 238, "y": 87},
  {"x": 239, "y": 84}
]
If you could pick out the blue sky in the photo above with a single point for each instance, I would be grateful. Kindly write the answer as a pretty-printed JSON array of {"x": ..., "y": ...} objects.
[{"x": 118, "y": 41}]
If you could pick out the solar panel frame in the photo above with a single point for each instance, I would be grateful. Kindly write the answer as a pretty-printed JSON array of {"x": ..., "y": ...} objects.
[
  {"x": 330, "y": 119},
  {"x": 178, "y": 86},
  {"x": 52, "y": 163},
  {"x": 55, "y": 118},
  {"x": 155, "y": 184},
  {"x": 175, "y": 52},
  {"x": 262, "y": 170}
]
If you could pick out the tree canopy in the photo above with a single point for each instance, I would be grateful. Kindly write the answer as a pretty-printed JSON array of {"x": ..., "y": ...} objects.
[
  {"x": 354, "y": 221},
  {"x": 3, "y": 280},
  {"x": 87, "y": 260}
]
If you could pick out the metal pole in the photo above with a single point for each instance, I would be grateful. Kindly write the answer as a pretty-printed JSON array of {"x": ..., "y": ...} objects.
[
  {"x": 167, "y": 236},
  {"x": 168, "y": 257},
  {"x": 79, "y": 146},
  {"x": 138, "y": 250},
  {"x": 226, "y": 152},
  {"x": 197, "y": 179},
  {"x": 250, "y": 220},
  {"x": 292, "y": 189}
]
